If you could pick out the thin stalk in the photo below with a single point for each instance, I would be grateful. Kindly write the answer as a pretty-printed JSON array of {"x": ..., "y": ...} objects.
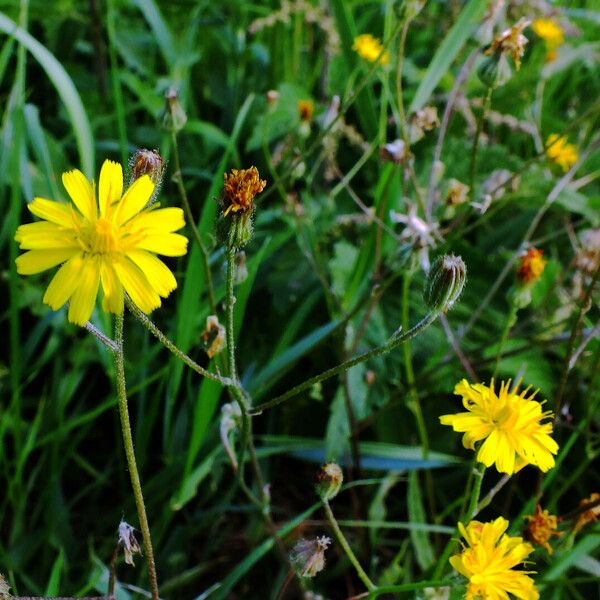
[
  {"x": 408, "y": 587},
  {"x": 511, "y": 319},
  {"x": 229, "y": 301},
  {"x": 169, "y": 345},
  {"x": 130, "y": 455},
  {"x": 478, "y": 132},
  {"x": 397, "y": 338},
  {"x": 190, "y": 217},
  {"x": 346, "y": 547}
]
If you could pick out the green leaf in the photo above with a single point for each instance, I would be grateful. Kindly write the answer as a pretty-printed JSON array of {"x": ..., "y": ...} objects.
[{"x": 416, "y": 514}]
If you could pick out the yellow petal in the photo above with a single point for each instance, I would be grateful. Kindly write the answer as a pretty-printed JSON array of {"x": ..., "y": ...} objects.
[
  {"x": 161, "y": 220},
  {"x": 63, "y": 284},
  {"x": 155, "y": 270},
  {"x": 134, "y": 199},
  {"x": 44, "y": 234},
  {"x": 56, "y": 212},
  {"x": 83, "y": 299},
  {"x": 169, "y": 244},
  {"x": 136, "y": 284},
  {"x": 112, "y": 301},
  {"x": 81, "y": 192},
  {"x": 111, "y": 185},
  {"x": 36, "y": 261}
]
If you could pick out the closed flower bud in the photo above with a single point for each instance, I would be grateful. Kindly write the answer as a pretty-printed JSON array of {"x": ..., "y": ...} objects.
[
  {"x": 147, "y": 162},
  {"x": 445, "y": 282},
  {"x": 329, "y": 479},
  {"x": 174, "y": 115},
  {"x": 308, "y": 556}
]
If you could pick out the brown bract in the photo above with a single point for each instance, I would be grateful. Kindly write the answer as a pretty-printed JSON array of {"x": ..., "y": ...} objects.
[{"x": 240, "y": 188}]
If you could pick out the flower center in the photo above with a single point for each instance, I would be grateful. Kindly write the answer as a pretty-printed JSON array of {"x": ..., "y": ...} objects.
[{"x": 104, "y": 237}]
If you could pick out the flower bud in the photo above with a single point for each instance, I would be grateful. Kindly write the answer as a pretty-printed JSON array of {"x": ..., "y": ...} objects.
[
  {"x": 445, "y": 282},
  {"x": 329, "y": 480},
  {"x": 147, "y": 162},
  {"x": 308, "y": 556}
]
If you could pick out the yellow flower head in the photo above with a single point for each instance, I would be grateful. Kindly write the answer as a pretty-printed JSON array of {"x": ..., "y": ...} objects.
[
  {"x": 542, "y": 526},
  {"x": 369, "y": 47},
  {"x": 560, "y": 152},
  {"x": 511, "y": 41},
  {"x": 488, "y": 560},
  {"x": 532, "y": 266},
  {"x": 110, "y": 244},
  {"x": 240, "y": 188},
  {"x": 510, "y": 424},
  {"x": 550, "y": 31}
]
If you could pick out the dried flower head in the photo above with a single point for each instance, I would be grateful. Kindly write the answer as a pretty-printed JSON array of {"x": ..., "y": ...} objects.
[
  {"x": 531, "y": 266},
  {"x": 395, "y": 152},
  {"x": 174, "y": 114},
  {"x": 213, "y": 336},
  {"x": 308, "y": 556},
  {"x": 423, "y": 120},
  {"x": 591, "y": 514},
  {"x": 110, "y": 243},
  {"x": 421, "y": 235},
  {"x": 561, "y": 152},
  {"x": 240, "y": 188},
  {"x": 588, "y": 256},
  {"x": 509, "y": 422},
  {"x": 511, "y": 41},
  {"x": 488, "y": 559},
  {"x": 306, "y": 109},
  {"x": 4, "y": 588},
  {"x": 542, "y": 527},
  {"x": 457, "y": 192},
  {"x": 370, "y": 48},
  {"x": 329, "y": 479},
  {"x": 128, "y": 541}
]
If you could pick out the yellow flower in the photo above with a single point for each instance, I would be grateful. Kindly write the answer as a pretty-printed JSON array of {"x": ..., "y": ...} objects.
[
  {"x": 510, "y": 424},
  {"x": 240, "y": 188},
  {"x": 542, "y": 526},
  {"x": 370, "y": 48},
  {"x": 305, "y": 110},
  {"x": 550, "y": 31},
  {"x": 112, "y": 245},
  {"x": 560, "y": 152},
  {"x": 532, "y": 266},
  {"x": 487, "y": 560}
]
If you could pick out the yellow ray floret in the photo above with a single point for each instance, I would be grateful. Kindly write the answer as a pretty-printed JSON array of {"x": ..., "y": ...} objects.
[
  {"x": 109, "y": 244},
  {"x": 488, "y": 559},
  {"x": 509, "y": 423}
]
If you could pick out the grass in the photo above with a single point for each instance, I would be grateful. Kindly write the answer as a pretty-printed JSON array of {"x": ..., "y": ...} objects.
[{"x": 332, "y": 273}]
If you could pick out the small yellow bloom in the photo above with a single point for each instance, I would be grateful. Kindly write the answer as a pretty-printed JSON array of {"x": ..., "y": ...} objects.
[
  {"x": 510, "y": 424},
  {"x": 542, "y": 526},
  {"x": 532, "y": 266},
  {"x": 560, "y": 152},
  {"x": 240, "y": 188},
  {"x": 550, "y": 31},
  {"x": 488, "y": 560},
  {"x": 306, "y": 109},
  {"x": 511, "y": 41},
  {"x": 112, "y": 245},
  {"x": 369, "y": 47}
]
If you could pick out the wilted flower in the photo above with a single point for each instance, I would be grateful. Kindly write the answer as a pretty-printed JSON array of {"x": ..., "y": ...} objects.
[
  {"x": 511, "y": 41},
  {"x": 420, "y": 234},
  {"x": 541, "y": 527},
  {"x": 128, "y": 541},
  {"x": 240, "y": 188},
  {"x": 560, "y": 152},
  {"x": 591, "y": 514},
  {"x": 588, "y": 257},
  {"x": 308, "y": 556},
  {"x": 457, "y": 192},
  {"x": 369, "y": 47},
  {"x": 488, "y": 559},
  {"x": 395, "y": 152},
  {"x": 509, "y": 422},
  {"x": 4, "y": 588},
  {"x": 531, "y": 266},
  {"x": 423, "y": 120},
  {"x": 109, "y": 243},
  {"x": 213, "y": 336},
  {"x": 329, "y": 479}
]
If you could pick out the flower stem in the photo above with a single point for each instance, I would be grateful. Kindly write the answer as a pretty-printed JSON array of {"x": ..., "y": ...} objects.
[
  {"x": 478, "y": 131},
  {"x": 190, "y": 217},
  {"x": 167, "y": 343},
  {"x": 397, "y": 338},
  {"x": 346, "y": 547},
  {"x": 475, "y": 491},
  {"x": 130, "y": 455}
]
